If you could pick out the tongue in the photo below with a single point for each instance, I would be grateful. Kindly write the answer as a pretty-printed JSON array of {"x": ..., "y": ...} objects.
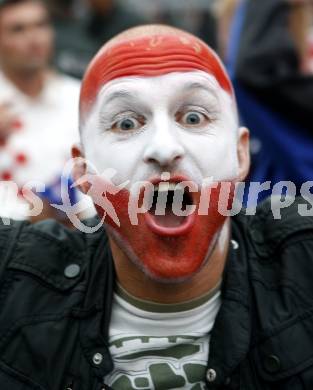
[{"x": 169, "y": 219}]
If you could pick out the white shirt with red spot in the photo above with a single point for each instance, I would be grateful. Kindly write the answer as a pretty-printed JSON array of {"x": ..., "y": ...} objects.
[{"x": 46, "y": 128}]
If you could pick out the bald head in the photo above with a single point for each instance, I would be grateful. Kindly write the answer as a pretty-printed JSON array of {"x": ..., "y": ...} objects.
[{"x": 148, "y": 50}]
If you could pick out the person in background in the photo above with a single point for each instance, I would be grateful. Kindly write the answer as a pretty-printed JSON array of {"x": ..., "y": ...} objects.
[
  {"x": 224, "y": 12},
  {"x": 198, "y": 21},
  {"x": 79, "y": 37},
  {"x": 268, "y": 56},
  {"x": 38, "y": 109}
]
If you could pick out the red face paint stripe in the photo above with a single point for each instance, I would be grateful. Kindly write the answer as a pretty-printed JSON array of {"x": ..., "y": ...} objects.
[
  {"x": 158, "y": 256},
  {"x": 149, "y": 56}
]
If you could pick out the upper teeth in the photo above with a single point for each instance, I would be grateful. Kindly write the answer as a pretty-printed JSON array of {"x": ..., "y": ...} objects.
[{"x": 165, "y": 186}]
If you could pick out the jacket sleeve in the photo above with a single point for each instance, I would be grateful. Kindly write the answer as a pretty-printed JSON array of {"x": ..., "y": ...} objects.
[
  {"x": 268, "y": 63},
  {"x": 9, "y": 234}
]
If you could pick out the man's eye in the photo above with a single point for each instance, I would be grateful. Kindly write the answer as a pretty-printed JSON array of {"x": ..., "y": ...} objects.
[
  {"x": 17, "y": 29},
  {"x": 193, "y": 118},
  {"x": 127, "y": 124}
]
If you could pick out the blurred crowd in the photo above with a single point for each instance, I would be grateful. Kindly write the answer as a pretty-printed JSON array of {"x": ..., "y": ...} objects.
[
  {"x": 45, "y": 46},
  {"x": 83, "y": 26}
]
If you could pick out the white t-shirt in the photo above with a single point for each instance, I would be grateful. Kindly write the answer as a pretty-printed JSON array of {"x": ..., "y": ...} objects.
[
  {"x": 160, "y": 346},
  {"x": 39, "y": 148}
]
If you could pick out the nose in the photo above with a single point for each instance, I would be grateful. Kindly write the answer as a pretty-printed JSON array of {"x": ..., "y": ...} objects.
[{"x": 164, "y": 148}]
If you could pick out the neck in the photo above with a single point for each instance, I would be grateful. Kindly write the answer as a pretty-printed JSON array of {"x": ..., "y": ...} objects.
[
  {"x": 136, "y": 283},
  {"x": 29, "y": 83}
]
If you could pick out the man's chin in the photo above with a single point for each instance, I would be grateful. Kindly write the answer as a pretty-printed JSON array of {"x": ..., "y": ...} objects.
[
  {"x": 33, "y": 67},
  {"x": 164, "y": 248},
  {"x": 161, "y": 266}
]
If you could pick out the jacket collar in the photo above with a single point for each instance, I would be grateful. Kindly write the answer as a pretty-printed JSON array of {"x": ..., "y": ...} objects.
[{"x": 96, "y": 310}]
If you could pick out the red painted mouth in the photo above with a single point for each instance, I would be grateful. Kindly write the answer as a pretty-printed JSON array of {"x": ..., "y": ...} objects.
[{"x": 171, "y": 201}]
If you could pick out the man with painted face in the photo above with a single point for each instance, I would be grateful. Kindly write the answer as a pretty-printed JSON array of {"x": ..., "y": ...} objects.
[{"x": 172, "y": 293}]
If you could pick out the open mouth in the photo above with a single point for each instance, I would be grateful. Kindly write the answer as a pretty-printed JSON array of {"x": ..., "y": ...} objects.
[{"x": 170, "y": 213}]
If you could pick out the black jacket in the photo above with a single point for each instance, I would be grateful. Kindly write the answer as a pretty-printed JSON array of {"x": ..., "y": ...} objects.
[{"x": 56, "y": 293}]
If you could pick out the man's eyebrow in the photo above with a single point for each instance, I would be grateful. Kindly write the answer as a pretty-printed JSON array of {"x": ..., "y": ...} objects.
[
  {"x": 122, "y": 94},
  {"x": 196, "y": 85}
]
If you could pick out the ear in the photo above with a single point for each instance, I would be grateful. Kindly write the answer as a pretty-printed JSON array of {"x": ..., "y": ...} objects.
[
  {"x": 80, "y": 167},
  {"x": 243, "y": 153}
]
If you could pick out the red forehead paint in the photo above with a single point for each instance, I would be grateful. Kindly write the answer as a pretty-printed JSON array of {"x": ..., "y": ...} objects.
[{"x": 149, "y": 56}]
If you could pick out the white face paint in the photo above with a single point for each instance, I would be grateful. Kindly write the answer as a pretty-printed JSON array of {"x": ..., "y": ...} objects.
[{"x": 182, "y": 123}]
